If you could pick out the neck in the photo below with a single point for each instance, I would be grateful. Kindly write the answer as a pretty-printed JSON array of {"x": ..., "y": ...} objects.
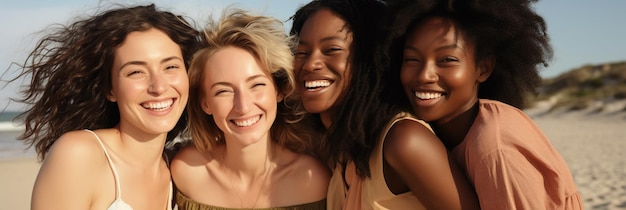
[
  {"x": 250, "y": 168},
  {"x": 141, "y": 149},
  {"x": 453, "y": 132},
  {"x": 250, "y": 161},
  {"x": 326, "y": 119}
]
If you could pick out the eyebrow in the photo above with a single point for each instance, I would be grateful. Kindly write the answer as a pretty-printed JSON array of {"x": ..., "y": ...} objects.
[
  {"x": 445, "y": 47},
  {"x": 253, "y": 77},
  {"x": 143, "y": 63},
  {"x": 325, "y": 39}
]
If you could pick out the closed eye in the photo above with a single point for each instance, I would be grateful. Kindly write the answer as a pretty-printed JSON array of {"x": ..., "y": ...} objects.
[
  {"x": 300, "y": 54},
  {"x": 410, "y": 60},
  {"x": 332, "y": 50},
  {"x": 449, "y": 59},
  {"x": 259, "y": 84},
  {"x": 222, "y": 92},
  {"x": 172, "y": 67},
  {"x": 133, "y": 72}
]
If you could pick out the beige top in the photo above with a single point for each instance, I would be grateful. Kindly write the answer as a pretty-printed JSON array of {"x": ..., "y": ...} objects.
[
  {"x": 512, "y": 164},
  {"x": 370, "y": 193}
]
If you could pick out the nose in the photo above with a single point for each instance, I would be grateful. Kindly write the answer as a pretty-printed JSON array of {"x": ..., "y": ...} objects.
[
  {"x": 158, "y": 84},
  {"x": 312, "y": 62},
  {"x": 428, "y": 73},
  {"x": 242, "y": 102}
]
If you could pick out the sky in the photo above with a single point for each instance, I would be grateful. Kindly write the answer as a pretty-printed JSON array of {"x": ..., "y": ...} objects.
[{"x": 582, "y": 32}]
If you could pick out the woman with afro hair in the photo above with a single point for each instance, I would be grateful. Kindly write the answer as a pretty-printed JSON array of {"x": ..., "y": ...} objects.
[{"x": 466, "y": 67}]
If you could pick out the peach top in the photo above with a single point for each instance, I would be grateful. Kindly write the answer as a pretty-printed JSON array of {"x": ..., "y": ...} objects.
[{"x": 512, "y": 164}]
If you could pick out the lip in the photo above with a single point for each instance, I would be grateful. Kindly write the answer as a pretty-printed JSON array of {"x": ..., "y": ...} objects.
[
  {"x": 246, "y": 122},
  {"x": 315, "y": 77},
  {"x": 160, "y": 106},
  {"x": 425, "y": 98},
  {"x": 317, "y": 85}
]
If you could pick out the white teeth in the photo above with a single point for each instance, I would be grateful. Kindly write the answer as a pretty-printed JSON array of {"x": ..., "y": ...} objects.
[
  {"x": 157, "y": 106},
  {"x": 248, "y": 122},
  {"x": 428, "y": 95},
  {"x": 316, "y": 83}
]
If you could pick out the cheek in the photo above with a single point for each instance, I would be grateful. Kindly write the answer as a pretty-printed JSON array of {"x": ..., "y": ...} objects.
[
  {"x": 406, "y": 75},
  {"x": 219, "y": 109},
  {"x": 268, "y": 98},
  {"x": 460, "y": 78},
  {"x": 128, "y": 88},
  {"x": 182, "y": 83},
  {"x": 339, "y": 65}
]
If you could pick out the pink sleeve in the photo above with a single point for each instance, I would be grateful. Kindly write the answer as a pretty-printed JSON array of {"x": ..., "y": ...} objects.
[
  {"x": 514, "y": 166},
  {"x": 506, "y": 180}
]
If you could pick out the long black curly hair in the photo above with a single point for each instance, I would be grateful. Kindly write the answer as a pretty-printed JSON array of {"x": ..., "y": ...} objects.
[{"x": 361, "y": 114}]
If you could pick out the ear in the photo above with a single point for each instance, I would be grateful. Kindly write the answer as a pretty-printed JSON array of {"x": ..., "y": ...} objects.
[
  {"x": 279, "y": 96},
  {"x": 111, "y": 97},
  {"x": 206, "y": 107},
  {"x": 485, "y": 67}
]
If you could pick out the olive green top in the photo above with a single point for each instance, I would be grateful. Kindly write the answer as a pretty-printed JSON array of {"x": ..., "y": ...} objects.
[{"x": 185, "y": 203}]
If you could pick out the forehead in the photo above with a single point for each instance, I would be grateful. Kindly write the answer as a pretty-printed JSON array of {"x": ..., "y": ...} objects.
[
  {"x": 323, "y": 22},
  {"x": 436, "y": 30},
  {"x": 232, "y": 61},
  {"x": 151, "y": 41}
]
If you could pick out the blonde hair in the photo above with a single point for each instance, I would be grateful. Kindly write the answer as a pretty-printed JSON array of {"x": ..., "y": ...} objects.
[{"x": 265, "y": 38}]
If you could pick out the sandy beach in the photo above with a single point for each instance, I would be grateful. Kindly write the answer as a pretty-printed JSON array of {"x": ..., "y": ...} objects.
[
  {"x": 592, "y": 143},
  {"x": 17, "y": 176}
]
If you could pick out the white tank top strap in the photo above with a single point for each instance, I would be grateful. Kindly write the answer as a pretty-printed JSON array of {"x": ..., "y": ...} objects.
[{"x": 118, "y": 204}]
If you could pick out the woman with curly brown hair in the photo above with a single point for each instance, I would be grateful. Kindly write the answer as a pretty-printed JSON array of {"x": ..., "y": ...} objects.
[
  {"x": 106, "y": 94},
  {"x": 466, "y": 67}
]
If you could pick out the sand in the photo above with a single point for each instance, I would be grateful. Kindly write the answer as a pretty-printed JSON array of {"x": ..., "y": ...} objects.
[
  {"x": 592, "y": 142},
  {"x": 17, "y": 176}
]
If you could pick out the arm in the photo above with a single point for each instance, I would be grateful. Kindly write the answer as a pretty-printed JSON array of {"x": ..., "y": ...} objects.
[
  {"x": 421, "y": 161},
  {"x": 67, "y": 177}
]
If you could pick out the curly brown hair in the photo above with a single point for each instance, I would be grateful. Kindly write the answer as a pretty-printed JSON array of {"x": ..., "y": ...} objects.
[
  {"x": 70, "y": 72},
  {"x": 509, "y": 30}
]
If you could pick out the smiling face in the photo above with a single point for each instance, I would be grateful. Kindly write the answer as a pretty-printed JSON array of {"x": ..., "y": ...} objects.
[
  {"x": 439, "y": 74},
  {"x": 322, "y": 62},
  {"x": 240, "y": 95},
  {"x": 149, "y": 82}
]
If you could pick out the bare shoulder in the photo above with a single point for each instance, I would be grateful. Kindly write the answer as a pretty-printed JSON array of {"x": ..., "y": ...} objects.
[
  {"x": 410, "y": 136},
  {"x": 73, "y": 172},
  {"x": 190, "y": 155},
  {"x": 308, "y": 176},
  {"x": 76, "y": 148},
  {"x": 311, "y": 166},
  {"x": 188, "y": 167},
  {"x": 189, "y": 158}
]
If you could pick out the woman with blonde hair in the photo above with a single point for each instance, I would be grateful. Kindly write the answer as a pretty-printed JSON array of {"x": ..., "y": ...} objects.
[{"x": 249, "y": 147}]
